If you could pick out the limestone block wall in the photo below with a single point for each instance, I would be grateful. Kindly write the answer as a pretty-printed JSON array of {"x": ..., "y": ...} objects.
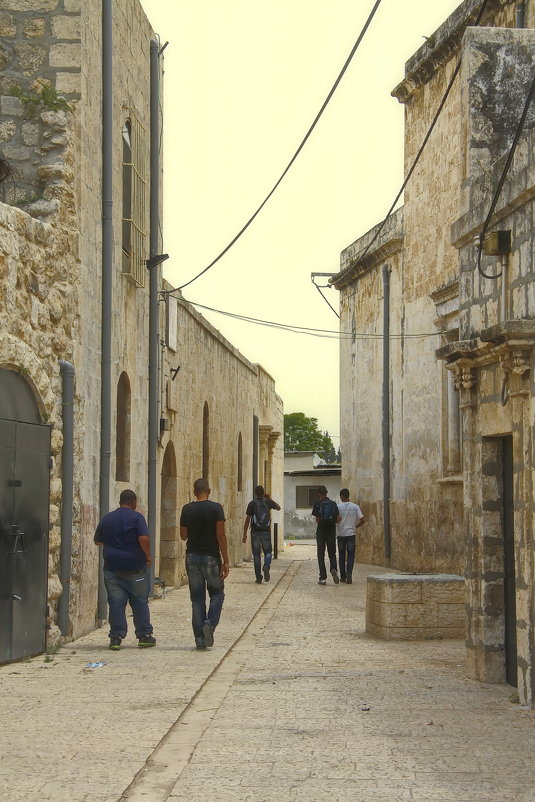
[
  {"x": 415, "y": 607},
  {"x": 493, "y": 361},
  {"x": 39, "y": 59},
  {"x": 211, "y": 405},
  {"x": 38, "y": 276}
]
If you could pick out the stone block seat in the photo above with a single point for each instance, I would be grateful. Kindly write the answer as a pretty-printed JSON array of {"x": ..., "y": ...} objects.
[{"x": 415, "y": 606}]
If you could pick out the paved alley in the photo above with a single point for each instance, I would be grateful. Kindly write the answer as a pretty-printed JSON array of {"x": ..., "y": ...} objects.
[{"x": 294, "y": 702}]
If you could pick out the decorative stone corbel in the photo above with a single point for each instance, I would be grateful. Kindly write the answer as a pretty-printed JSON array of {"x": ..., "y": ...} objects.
[
  {"x": 516, "y": 367},
  {"x": 464, "y": 379}
]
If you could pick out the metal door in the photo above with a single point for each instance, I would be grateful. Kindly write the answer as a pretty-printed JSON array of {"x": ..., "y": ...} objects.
[
  {"x": 509, "y": 562},
  {"x": 24, "y": 507}
]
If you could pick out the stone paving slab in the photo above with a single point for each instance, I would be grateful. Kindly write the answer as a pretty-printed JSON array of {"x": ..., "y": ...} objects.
[{"x": 294, "y": 702}]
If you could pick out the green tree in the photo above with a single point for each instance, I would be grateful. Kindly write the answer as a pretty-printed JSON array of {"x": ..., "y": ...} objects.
[{"x": 301, "y": 433}]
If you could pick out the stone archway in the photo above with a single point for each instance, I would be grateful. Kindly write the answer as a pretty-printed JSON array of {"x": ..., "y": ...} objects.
[{"x": 169, "y": 533}]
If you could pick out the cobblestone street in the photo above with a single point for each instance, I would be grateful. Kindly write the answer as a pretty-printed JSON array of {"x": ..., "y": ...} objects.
[{"x": 294, "y": 702}]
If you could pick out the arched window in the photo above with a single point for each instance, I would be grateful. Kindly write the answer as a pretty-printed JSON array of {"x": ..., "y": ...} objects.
[
  {"x": 122, "y": 437},
  {"x": 205, "y": 441},
  {"x": 240, "y": 462}
]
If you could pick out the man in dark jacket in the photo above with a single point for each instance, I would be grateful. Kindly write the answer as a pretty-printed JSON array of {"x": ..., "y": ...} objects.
[{"x": 124, "y": 537}]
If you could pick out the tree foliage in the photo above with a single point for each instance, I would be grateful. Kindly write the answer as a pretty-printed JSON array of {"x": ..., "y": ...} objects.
[{"x": 301, "y": 433}]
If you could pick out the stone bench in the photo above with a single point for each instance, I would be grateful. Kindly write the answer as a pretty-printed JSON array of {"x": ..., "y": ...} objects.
[{"x": 415, "y": 606}]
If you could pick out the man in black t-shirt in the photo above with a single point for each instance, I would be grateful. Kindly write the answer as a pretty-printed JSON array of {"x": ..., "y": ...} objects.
[
  {"x": 257, "y": 516},
  {"x": 125, "y": 542},
  {"x": 202, "y": 525}
]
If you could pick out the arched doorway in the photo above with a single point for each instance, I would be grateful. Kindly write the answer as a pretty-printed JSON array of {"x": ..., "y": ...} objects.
[
  {"x": 169, "y": 535},
  {"x": 24, "y": 517}
]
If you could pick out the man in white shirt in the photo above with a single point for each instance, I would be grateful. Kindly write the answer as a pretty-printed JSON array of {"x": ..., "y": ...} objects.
[{"x": 351, "y": 518}]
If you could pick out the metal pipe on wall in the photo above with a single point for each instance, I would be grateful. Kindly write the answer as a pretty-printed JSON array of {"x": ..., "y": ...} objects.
[
  {"x": 386, "y": 412},
  {"x": 521, "y": 14},
  {"x": 67, "y": 493},
  {"x": 107, "y": 279},
  {"x": 154, "y": 310}
]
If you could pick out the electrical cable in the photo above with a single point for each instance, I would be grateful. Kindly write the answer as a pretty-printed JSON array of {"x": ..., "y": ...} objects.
[
  {"x": 422, "y": 146},
  {"x": 501, "y": 182},
  {"x": 294, "y": 157},
  {"x": 329, "y": 333}
]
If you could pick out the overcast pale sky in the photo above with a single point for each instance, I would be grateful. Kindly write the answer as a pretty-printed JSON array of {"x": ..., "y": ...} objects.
[{"x": 244, "y": 79}]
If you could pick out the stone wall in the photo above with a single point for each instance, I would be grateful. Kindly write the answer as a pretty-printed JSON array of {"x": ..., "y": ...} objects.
[
  {"x": 39, "y": 60},
  {"x": 51, "y": 275},
  {"x": 213, "y": 374},
  {"x": 492, "y": 361},
  {"x": 426, "y": 499}
]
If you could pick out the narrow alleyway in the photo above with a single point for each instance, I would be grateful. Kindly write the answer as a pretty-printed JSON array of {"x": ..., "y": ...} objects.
[{"x": 294, "y": 702}]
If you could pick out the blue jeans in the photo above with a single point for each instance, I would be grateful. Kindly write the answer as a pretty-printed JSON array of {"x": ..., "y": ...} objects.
[
  {"x": 261, "y": 540},
  {"x": 346, "y": 556},
  {"x": 123, "y": 587},
  {"x": 326, "y": 537},
  {"x": 203, "y": 575}
]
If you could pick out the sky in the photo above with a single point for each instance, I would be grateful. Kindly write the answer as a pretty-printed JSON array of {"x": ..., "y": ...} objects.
[{"x": 244, "y": 80}]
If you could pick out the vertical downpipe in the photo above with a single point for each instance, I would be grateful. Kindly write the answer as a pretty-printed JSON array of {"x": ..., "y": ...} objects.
[
  {"x": 67, "y": 494},
  {"x": 107, "y": 278},
  {"x": 386, "y": 412},
  {"x": 154, "y": 322},
  {"x": 521, "y": 14}
]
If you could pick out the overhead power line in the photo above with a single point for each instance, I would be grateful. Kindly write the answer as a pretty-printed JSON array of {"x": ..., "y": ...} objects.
[
  {"x": 326, "y": 333},
  {"x": 294, "y": 157},
  {"x": 422, "y": 146}
]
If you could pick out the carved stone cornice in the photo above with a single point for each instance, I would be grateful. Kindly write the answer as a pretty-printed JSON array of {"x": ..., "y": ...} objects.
[
  {"x": 442, "y": 46},
  {"x": 507, "y": 344}
]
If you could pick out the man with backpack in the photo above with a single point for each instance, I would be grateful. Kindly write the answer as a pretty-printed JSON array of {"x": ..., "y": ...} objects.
[
  {"x": 325, "y": 511},
  {"x": 258, "y": 517},
  {"x": 351, "y": 518}
]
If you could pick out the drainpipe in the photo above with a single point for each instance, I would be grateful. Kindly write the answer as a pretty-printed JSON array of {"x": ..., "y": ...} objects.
[
  {"x": 67, "y": 482},
  {"x": 504, "y": 269},
  {"x": 154, "y": 306},
  {"x": 107, "y": 277},
  {"x": 521, "y": 14},
  {"x": 386, "y": 411}
]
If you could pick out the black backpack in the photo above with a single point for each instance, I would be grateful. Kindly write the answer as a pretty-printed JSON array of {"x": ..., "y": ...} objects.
[
  {"x": 261, "y": 516},
  {"x": 328, "y": 512}
]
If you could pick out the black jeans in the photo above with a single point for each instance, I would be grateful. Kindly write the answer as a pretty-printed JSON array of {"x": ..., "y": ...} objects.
[{"x": 326, "y": 537}]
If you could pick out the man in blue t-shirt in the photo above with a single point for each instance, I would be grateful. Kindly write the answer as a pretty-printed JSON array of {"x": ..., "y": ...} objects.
[{"x": 124, "y": 537}]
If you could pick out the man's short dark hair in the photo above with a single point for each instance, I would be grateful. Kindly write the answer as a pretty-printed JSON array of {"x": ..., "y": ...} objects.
[
  {"x": 259, "y": 491},
  {"x": 127, "y": 498},
  {"x": 344, "y": 493},
  {"x": 201, "y": 486},
  {"x": 322, "y": 490}
]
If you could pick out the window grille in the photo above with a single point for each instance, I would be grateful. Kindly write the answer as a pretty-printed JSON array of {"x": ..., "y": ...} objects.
[{"x": 134, "y": 200}]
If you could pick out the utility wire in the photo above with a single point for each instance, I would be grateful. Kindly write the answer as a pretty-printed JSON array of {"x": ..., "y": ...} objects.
[
  {"x": 424, "y": 143},
  {"x": 294, "y": 157},
  {"x": 330, "y": 333},
  {"x": 501, "y": 182}
]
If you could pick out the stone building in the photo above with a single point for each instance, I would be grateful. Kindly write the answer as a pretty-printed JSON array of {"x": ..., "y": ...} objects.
[
  {"x": 437, "y": 413},
  {"x": 79, "y": 125}
]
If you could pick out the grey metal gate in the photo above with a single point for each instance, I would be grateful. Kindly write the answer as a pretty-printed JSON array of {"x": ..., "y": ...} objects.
[{"x": 24, "y": 511}]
